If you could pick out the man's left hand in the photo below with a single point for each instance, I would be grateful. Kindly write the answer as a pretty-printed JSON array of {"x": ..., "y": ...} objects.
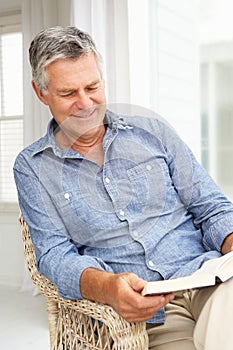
[{"x": 227, "y": 245}]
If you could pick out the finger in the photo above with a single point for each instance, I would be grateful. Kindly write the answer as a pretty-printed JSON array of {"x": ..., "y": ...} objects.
[{"x": 147, "y": 309}]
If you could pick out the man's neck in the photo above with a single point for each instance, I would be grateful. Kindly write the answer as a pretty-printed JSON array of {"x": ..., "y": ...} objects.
[{"x": 89, "y": 147}]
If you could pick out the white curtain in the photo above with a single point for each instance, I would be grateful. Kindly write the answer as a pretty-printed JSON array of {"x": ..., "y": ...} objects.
[
  {"x": 120, "y": 32},
  {"x": 101, "y": 20},
  {"x": 36, "y": 16}
]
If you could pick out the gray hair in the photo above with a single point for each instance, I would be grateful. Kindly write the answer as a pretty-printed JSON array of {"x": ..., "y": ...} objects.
[{"x": 56, "y": 43}]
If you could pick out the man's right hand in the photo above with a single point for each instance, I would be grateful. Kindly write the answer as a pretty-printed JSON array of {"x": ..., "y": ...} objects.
[{"x": 123, "y": 293}]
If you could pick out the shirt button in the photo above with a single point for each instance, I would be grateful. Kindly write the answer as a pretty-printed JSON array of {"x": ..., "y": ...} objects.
[
  {"x": 122, "y": 213},
  {"x": 148, "y": 167},
  {"x": 135, "y": 234},
  {"x": 67, "y": 196},
  {"x": 107, "y": 180},
  {"x": 151, "y": 264}
]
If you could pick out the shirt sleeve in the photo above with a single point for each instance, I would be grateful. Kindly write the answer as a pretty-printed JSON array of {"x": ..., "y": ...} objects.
[
  {"x": 212, "y": 211},
  {"x": 57, "y": 257}
]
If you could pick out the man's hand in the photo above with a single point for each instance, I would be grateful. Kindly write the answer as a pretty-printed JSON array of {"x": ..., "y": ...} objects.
[
  {"x": 122, "y": 292},
  {"x": 227, "y": 245}
]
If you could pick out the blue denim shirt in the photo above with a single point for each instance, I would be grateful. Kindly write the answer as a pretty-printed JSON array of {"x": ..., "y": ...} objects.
[{"x": 152, "y": 209}]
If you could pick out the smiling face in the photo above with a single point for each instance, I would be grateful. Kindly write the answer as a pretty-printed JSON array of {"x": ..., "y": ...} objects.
[{"x": 75, "y": 97}]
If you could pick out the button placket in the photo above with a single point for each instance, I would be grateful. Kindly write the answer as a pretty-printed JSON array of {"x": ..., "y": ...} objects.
[{"x": 110, "y": 184}]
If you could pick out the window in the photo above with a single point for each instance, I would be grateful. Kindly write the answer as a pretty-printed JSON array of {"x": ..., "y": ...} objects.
[
  {"x": 216, "y": 78},
  {"x": 11, "y": 106}
]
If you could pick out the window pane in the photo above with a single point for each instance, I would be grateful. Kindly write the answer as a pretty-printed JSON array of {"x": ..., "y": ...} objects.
[
  {"x": 12, "y": 80},
  {"x": 11, "y": 142}
]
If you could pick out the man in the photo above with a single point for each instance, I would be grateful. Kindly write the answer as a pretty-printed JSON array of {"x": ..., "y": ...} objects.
[{"x": 113, "y": 201}]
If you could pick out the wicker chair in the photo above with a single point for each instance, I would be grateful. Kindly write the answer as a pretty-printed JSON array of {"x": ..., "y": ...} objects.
[{"x": 82, "y": 324}]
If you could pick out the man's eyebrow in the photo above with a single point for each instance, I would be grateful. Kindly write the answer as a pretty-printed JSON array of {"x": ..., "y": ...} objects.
[
  {"x": 74, "y": 89},
  {"x": 66, "y": 89},
  {"x": 94, "y": 82}
]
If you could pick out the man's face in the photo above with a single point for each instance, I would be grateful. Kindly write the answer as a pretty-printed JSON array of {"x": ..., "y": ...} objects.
[{"x": 75, "y": 96}]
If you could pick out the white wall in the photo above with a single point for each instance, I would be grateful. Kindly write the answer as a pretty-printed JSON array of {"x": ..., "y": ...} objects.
[{"x": 11, "y": 250}]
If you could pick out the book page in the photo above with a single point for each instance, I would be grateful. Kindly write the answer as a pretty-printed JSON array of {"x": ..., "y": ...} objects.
[
  {"x": 176, "y": 284},
  {"x": 221, "y": 267}
]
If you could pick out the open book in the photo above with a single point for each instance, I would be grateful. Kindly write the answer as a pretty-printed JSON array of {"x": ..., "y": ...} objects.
[{"x": 211, "y": 272}]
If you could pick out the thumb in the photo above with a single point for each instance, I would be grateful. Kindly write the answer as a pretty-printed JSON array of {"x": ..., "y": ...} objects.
[{"x": 136, "y": 283}]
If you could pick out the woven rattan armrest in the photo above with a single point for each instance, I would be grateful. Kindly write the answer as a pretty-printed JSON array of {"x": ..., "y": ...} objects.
[{"x": 81, "y": 324}]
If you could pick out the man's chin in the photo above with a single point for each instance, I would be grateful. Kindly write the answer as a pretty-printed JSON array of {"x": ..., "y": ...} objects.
[{"x": 76, "y": 132}]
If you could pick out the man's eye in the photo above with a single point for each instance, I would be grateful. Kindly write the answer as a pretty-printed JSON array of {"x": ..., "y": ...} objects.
[
  {"x": 68, "y": 94},
  {"x": 93, "y": 88}
]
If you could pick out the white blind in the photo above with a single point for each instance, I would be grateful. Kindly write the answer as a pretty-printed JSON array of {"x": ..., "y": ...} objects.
[{"x": 11, "y": 107}]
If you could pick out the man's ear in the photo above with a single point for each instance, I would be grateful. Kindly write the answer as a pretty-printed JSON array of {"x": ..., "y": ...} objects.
[{"x": 39, "y": 93}]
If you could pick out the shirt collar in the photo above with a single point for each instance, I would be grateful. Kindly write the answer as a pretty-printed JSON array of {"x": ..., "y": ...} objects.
[
  {"x": 48, "y": 141},
  {"x": 111, "y": 119},
  {"x": 116, "y": 121}
]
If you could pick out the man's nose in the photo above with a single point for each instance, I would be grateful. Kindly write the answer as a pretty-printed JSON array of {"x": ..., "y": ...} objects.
[{"x": 83, "y": 100}]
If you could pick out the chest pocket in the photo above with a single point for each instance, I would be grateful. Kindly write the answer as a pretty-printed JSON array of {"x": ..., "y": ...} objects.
[{"x": 149, "y": 182}]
